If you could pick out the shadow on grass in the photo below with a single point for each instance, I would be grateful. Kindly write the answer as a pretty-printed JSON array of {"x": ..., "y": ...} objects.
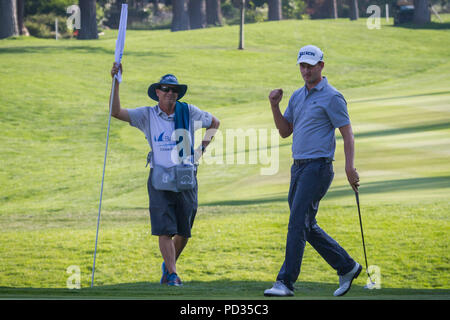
[
  {"x": 412, "y": 129},
  {"x": 400, "y": 97},
  {"x": 427, "y": 26},
  {"x": 387, "y": 186},
  {"x": 217, "y": 290},
  {"x": 394, "y": 185},
  {"x": 245, "y": 202},
  {"x": 75, "y": 49}
]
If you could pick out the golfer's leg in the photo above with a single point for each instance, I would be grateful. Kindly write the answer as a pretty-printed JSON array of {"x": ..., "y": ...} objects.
[
  {"x": 168, "y": 252},
  {"x": 297, "y": 229},
  {"x": 295, "y": 247},
  {"x": 326, "y": 246},
  {"x": 330, "y": 250}
]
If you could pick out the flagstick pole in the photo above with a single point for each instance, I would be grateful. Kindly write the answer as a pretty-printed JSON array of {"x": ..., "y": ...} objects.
[{"x": 103, "y": 177}]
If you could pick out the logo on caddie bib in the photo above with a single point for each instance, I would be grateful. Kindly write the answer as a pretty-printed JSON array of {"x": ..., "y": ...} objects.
[{"x": 186, "y": 179}]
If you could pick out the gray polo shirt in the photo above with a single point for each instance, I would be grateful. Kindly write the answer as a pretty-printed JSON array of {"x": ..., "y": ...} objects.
[
  {"x": 315, "y": 115},
  {"x": 159, "y": 136}
]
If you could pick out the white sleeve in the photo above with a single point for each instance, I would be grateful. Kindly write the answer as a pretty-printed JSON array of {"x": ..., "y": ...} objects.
[
  {"x": 198, "y": 115},
  {"x": 138, "y": 117}
]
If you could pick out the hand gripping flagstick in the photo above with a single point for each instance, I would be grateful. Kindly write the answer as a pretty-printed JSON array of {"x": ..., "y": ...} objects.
[{"x": 118, "y": 57}]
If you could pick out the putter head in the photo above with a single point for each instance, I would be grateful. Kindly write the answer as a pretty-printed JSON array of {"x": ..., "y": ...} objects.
[{"x": 370, "y": 285}]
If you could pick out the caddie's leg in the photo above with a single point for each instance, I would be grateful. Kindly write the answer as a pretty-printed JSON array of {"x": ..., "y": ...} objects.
[
  {"x": 179, "y": 243},
  {"x": 168, "y": 252}
]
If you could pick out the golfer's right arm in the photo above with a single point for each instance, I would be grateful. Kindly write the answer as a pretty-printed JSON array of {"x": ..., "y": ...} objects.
[
  {"x": 284, "y": 127},
  {"x": 117, "y": 112}
]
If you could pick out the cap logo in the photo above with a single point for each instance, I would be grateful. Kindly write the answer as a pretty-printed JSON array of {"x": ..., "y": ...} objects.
[{"x": 308, "y": 53}]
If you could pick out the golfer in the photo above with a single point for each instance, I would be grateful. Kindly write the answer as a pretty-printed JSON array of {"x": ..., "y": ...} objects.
[
  {"x": 172, "y": 213},
  {"x": 313, "y": 113}
]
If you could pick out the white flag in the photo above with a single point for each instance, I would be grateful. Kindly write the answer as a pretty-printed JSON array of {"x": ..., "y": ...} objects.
[{"x": 120, "y": 42}]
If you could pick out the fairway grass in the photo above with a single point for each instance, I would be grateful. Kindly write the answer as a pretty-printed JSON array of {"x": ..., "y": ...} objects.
[{"x": 53, "y": 101}]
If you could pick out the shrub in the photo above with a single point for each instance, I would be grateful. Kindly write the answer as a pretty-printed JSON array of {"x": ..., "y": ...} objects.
[{"x": 43, "y": 25}]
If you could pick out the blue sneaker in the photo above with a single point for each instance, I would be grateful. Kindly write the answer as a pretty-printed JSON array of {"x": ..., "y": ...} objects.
[
  {"x": 174, "y": 280},
  {"x": 165, "y": 274}
]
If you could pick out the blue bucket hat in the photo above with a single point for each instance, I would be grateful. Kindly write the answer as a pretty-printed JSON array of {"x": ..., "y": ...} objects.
[{"x": 167, "y": 79}]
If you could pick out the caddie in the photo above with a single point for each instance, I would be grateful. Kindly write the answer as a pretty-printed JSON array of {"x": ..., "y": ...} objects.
[{"x": 172, "y": 187}]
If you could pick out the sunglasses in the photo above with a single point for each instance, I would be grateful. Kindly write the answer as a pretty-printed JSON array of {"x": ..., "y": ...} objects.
[{"x": 167, "y": 89}]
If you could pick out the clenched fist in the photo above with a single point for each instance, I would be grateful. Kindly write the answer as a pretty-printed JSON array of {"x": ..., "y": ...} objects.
[{"x": 275, "y": 97}]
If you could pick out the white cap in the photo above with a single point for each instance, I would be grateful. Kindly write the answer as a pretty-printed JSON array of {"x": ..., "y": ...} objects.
[{"x": 310, "y": 54}]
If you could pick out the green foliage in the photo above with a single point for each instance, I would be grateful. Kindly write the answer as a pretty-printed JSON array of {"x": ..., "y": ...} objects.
[
  {"x": 293, "y": 9},
  {"x": 100, "y": 16},
  {"x": 255, "y": 14},
  {"x": 57, "y": 7},
  {"x": 230, "y": 12},
  {"x": 43, "y": 25},
  {"x": 136, "y": 17},
  {"x": 257, "y": 11}
]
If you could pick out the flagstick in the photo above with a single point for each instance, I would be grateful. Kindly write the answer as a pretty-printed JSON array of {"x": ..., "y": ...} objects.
[{"x": 103, "y": 178}]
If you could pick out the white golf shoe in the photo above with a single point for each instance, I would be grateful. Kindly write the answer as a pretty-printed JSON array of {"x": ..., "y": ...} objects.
[
  {"x": 345, "y": 281},
  {"x": 278, "y": 290}
]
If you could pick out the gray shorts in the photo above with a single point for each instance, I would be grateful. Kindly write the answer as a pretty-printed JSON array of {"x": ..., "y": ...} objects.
[{"x": 172, "y": 213}]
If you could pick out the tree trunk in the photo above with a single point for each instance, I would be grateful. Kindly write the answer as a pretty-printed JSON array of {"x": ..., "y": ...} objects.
[
  {"x": 23, "y": 31},
  {"x": 335, "y": 10},
  {"x": 213, "y": 13},
  {"x": 354, "y": 13},
  {"x": 180, "y": 19},
  {"x": 8, "y": 19},
  {"x": 275, "y": 10},
  {"x": 241, "y": 28},
  {"x": 88, "y": 21},
  {"x": 197, "y": 14},
  {"x": 421, "y": 12},
  {"x": 156, "y": 7}
]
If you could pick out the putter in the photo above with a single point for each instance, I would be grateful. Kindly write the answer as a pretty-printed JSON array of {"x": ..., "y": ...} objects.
[{"x": 372, "y": 283}]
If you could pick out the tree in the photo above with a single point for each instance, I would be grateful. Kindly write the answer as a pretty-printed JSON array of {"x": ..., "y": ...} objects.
[
  {"x": 180, "y": 19},
  {"x": 23, "y": 31},
  {"x": 8, "y": 19},
  {"x": 213, "y": 13},
  {"x": 320, "y": 9},
  {"x": 335, "y": 10},
  {"x": 197, "y": 14},
  {"x": 274, "y": 9},
  {"x": 354, "y": 11},
  {"x": 421, "y": 12},
  {"x": 241, "y": 28},
  {"x": 88, "y": 20},
  {"x": 156, "y": 7}
]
